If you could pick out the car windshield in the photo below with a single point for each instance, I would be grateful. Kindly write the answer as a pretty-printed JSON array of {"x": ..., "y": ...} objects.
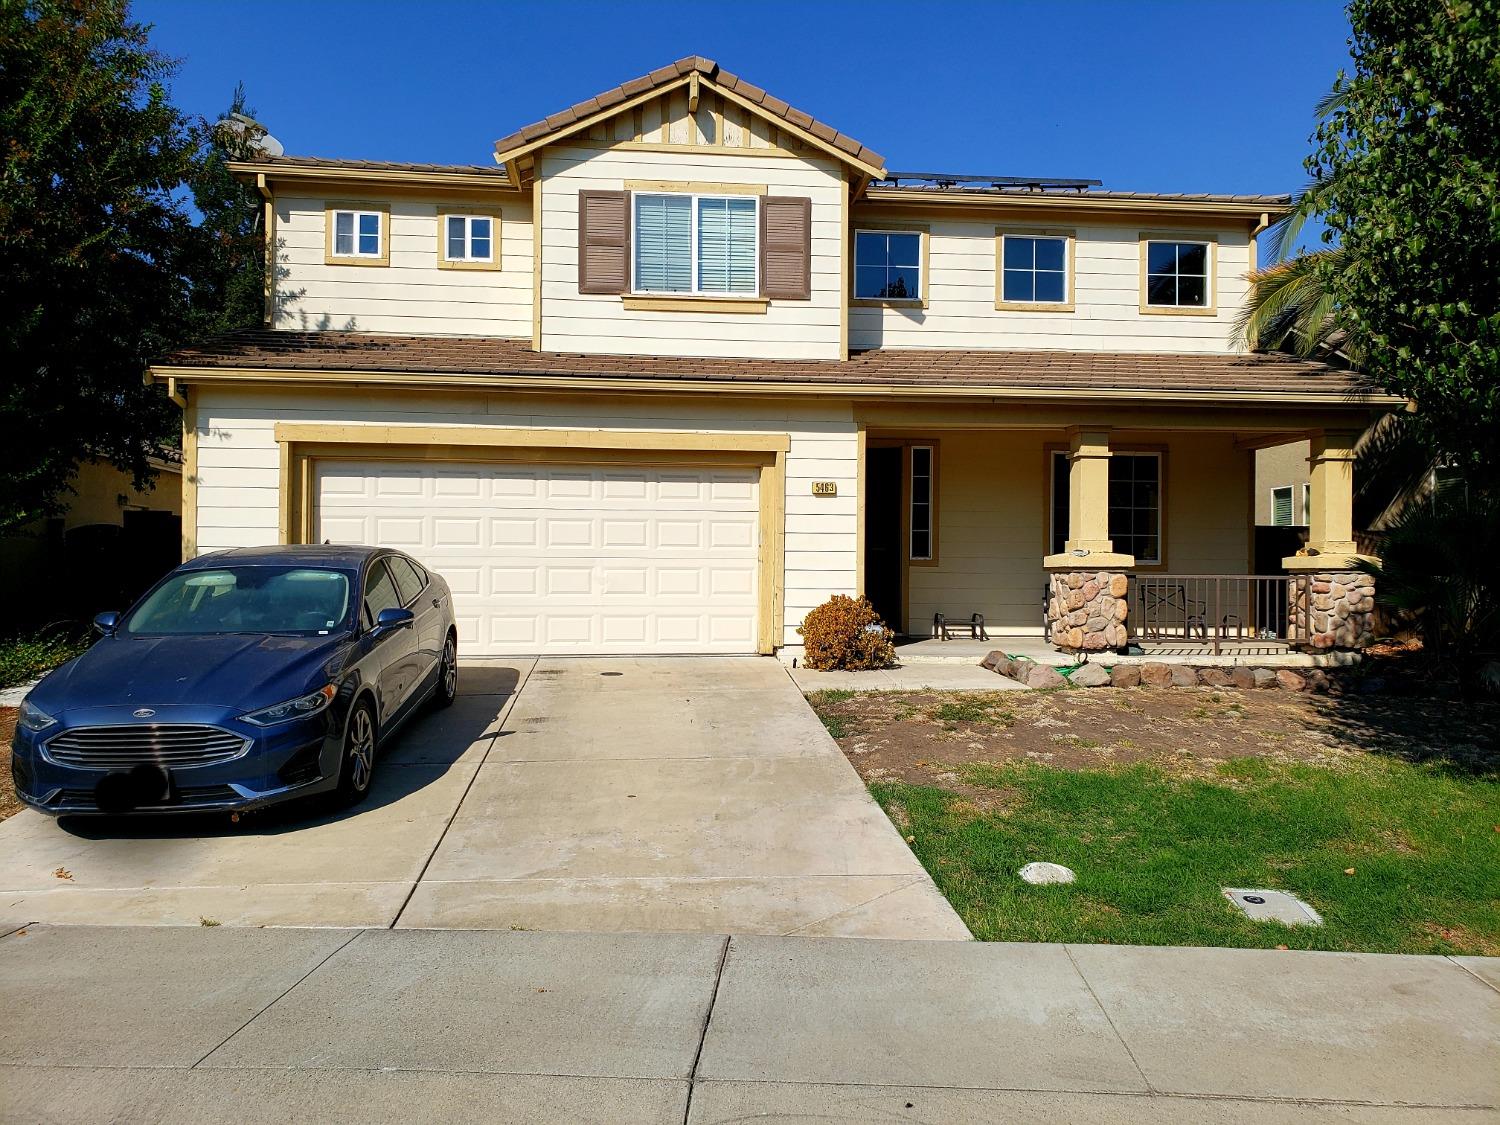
[{"x": 244, "y": 599}]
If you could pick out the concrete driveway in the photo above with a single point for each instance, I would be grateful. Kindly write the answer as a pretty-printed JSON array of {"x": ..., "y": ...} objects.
[{"x": 682, "y": 794}]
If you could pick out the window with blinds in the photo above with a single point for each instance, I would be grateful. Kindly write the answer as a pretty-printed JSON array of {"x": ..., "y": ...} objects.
[
  {"x": 696, "y": 244},
  {"x": 1281, "y": 507}
]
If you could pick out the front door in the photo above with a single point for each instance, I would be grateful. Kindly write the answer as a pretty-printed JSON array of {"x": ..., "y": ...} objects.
[{"x": 883, "y": 532}]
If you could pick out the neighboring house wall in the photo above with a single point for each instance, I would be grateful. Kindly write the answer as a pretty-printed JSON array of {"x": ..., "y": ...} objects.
[
  {"x": 410, "y": 295},
  {"x": 239, "y": 461},
  {"x": 104, "y": 493},
  {"x": 993, "y": 515},
  {"x": 1107, "y": 294},
  {"x": 603, "y": 324},
  {"x": 1281, "y": 466}
]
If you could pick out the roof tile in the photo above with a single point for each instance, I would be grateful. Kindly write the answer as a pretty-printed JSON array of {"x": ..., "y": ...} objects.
[{"x": 946, "y": 369}]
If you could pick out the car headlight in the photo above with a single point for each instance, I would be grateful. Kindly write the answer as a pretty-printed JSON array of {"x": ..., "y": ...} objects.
[
  {"x": 33, "y": 718},
  {"x": 299, "y": 708}
]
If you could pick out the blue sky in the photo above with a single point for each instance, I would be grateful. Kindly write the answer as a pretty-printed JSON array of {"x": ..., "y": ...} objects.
[{"x": 1151, "y": 95}]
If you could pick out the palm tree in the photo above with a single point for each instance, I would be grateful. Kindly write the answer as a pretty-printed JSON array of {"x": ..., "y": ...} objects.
[{"x": 1290, "y": 307}]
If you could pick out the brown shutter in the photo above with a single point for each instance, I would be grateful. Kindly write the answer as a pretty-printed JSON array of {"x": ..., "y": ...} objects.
[
  {"x": 786, "y": 248},
  {"x": 603, "y": 241}
]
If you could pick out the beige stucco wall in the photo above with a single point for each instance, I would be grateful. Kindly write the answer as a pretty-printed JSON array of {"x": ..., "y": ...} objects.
[
  {"x": 1277, "y": 467},
  {"x": 104, "y": 492},
  {"x": 993, "y": 491}
]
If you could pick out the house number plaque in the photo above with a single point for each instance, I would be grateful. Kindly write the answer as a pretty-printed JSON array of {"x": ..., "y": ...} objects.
[{"x": 825, "y": 488}]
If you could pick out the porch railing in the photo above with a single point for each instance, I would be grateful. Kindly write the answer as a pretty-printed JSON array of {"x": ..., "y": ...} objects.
[{"x": 1214, "y": 609}]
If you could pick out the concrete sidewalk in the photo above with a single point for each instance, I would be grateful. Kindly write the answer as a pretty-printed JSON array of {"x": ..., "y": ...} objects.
[{"x": 245, "y": 1025}]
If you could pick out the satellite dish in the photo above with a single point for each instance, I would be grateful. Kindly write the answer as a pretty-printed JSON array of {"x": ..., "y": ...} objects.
[{"x": 253, "y": 133}]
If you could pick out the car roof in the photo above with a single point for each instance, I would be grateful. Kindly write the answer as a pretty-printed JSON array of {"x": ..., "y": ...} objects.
[{"x": 318, "y": 554}]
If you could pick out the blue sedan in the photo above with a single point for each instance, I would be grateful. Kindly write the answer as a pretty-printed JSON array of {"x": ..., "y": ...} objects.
[{"x": 241, "y": 679}]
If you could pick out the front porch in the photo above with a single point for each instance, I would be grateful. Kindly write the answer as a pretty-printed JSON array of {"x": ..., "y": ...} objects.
[{"x": 1131, "y": 541}]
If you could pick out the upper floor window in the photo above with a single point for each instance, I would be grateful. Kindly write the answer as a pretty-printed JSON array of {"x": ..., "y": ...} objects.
[
  {"x": 469, "y": 238},
  {"x": 696, "y": 244},
  {"x": 888, "y": 265},
  {"x": 357, "y": 234},
  {"x": 1034, "y": 269},
  {"x": 1177, "y": 275}
]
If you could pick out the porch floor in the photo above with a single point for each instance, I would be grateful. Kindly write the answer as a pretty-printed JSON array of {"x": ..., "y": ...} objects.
[{"x": 1262, "y": 654}]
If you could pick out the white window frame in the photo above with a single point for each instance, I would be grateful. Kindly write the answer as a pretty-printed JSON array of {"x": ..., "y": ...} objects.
[
  {"x": 930, "y": 503},
  {"x": 380, "y": 233},
  {"x": 468, "y": 222},
  {"x": 693, "y": 290},
  {"x": 1210, "y": 267},
  {"x": 1067, "y": 271},
  {"x": 1291, "y": 505},
  {"x": 916, "y": 232},
  {"x": 1161, "y": 498}
]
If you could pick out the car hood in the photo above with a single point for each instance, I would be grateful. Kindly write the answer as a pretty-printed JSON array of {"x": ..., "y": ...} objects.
[{"x": 227, "y": 670}]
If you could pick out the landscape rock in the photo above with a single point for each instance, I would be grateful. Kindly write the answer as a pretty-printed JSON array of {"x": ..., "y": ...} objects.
[
  {"x": 1183, "y": 676},
  {"x": 1214, "y": 677},
  {"x": 1290, "y": 680},
  {"x": 993, "y": 660},
  {"x": 1154, "y": 674},
  {"x": 1091, "y": 675},
  {"x": 1264, "y": 677},
  {"x": 1044, "y": 676},
  {"x": 1043, "y": 874},
  {"x": 1242, "y": 677},
  {"x": 1125, "y": 675}
]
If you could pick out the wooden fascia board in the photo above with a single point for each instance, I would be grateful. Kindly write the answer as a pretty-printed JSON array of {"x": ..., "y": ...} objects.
[
  {"x": 557, "y": 136},
  {"x": 567, "y": 384},
  {"x": 583, "y": 124},
  {"x": 271, "y": 174}
]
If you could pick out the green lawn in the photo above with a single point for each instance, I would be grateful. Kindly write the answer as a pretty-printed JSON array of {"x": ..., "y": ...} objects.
[{"x": 1152, "y": 851}]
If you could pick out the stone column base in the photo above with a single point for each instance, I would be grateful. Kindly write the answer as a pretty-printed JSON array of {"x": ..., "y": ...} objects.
[
  {"x": 1086, "y": 610},
  {"x": 1331, "y": 609}
]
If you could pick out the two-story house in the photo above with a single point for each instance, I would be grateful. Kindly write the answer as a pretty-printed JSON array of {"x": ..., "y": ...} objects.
[{"x": 684, "y": 361}]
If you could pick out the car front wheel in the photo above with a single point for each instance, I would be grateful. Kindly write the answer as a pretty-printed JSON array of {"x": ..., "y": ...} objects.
[{"x": 357, "y": 766}]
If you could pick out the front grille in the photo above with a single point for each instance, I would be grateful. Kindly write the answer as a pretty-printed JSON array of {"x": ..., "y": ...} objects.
[
  {"x": 169, "y": 746},
  {"x": 187, "y": 796}
]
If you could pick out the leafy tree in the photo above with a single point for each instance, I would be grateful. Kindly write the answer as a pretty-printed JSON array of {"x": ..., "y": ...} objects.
[
  {"x": 1406, "y": 170},
  {"x": 91, "y": 231},
  {"x": 225, "y": 261},
  {"x": 1437, "y": 566}
]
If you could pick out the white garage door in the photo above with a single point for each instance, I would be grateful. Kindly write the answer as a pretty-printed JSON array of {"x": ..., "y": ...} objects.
[{"x": 566, "y": 558}]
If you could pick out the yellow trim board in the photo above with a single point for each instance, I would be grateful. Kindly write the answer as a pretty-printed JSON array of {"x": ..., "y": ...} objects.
[
  {"x": 694, "y": 187},
  {"x": 696, "y": 304},
  {"x": 428, "y": 381},
  {"x": 378, "y": 207},
  {"x": 506, "y": 437}
]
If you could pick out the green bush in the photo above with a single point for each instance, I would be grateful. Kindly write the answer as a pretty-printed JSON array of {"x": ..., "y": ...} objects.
[
  {"x": 23, "y": 659},
  {"x": 846, "y": 634}
]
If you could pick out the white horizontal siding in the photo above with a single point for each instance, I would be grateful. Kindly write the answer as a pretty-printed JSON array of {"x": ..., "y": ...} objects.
[
  {"x": 592, "y": 323},
  {"x": 961, "y": 311},
  {"x": 411, "y": 295},
  {"x": 239, "y": 461}
]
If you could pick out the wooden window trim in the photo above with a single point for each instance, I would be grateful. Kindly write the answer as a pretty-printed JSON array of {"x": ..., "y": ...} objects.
[
  {"x": 446, "y": 263},
  {"x": 1210, "y": 240},
  {"x": 331, "y": 207},
  {"x": 1070, "y": 238},
  {"x": 924, "y": 232},
  {"x": 1162, "y": 523}
]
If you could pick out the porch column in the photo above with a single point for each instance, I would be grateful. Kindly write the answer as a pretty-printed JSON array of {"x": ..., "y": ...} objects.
[
  {"x": 1087, "y": 584},
  {"x": 1331, "y": 605}
]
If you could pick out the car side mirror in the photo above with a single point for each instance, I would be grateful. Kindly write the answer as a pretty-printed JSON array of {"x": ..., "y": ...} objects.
[
  {"x": 107, "y": 623},
  {"x": 389, "y": 620}
]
